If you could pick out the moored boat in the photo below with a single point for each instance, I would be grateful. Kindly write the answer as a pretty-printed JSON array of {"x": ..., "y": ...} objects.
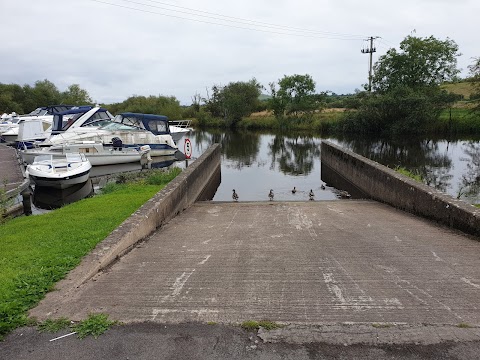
[
  {"x": 133, "y": 130},
  {"x": 61, "y": 173},
  {"x": 95, "y": 152}
]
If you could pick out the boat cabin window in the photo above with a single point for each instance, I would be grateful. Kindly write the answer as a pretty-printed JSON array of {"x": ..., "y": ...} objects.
[
  {"x": 132, "y": 121},
  {"x": 68, "y": 120},
  {"x": 99, "y": 115},
  {"x": 158, "y": 126}
]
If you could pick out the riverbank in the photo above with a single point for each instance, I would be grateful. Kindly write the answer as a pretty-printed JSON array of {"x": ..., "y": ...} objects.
[
  {"x": 454, "y": 121},
  {"x": 37, "y": 251}
]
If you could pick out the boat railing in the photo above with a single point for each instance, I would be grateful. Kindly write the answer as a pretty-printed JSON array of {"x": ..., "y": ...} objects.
[{"x": 181, "y": 123}]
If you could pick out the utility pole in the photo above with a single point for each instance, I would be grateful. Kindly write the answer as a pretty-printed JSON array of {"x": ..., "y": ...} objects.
[{"x": 370, "y": 50}]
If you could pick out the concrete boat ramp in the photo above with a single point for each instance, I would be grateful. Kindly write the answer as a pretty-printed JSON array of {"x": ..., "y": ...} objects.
[
  {"x": 341, "y": 272},
  {"x": 304, "y": 263}
]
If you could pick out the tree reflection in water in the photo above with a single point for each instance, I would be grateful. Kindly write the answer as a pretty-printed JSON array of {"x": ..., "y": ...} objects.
[
  {"x": 469, "y": 187},
  {"x": 452, "y": 167},
  {"x": 240, "y": 147},
  {"x": 294, "y": 155},
  {"x": 420, "y": 156}
]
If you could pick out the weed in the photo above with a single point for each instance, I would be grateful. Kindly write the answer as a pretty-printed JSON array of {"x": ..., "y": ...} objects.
[
  {"x": 269, "y": 325},
  {"x": 5, "y": 202},
  {"x": 250, "y": 325},
  {"x": 112, "y": 187},
  {"x": 54, "y": 325},
  {"x": 211, "y": 323},
  {"x": 464, "y": 325},
  {"x": 162, "y": 177},
  {"x": 95, "y": 325},
  {"x": 383, "y": 325},
  {"x": 408, "y": 173}
]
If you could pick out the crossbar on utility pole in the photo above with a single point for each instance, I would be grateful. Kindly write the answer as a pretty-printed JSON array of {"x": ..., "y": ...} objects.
[{"x": 370, "y": 50}]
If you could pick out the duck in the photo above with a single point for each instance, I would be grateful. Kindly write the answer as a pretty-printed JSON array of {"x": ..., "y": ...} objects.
[
  {"x": 342, "y": 194},
  {"x": 294, "y": 190},
  {"x": 311, "y": 195},
  {"x": 322, "y": 187},
  {"x": 270, "y": 195},
  {"x": 234, "y": 196}
]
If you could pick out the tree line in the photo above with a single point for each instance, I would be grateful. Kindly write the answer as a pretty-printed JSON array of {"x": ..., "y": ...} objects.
[
  {"x": 406, "y": 94},
  {"x": 26, "y": 98}
]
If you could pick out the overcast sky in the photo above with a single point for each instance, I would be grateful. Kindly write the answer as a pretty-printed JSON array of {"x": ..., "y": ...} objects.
[{"x": 116, "y": 48}]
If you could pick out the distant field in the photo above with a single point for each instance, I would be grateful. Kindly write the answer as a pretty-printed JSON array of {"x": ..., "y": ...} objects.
[{"x": 461, "y": 88}]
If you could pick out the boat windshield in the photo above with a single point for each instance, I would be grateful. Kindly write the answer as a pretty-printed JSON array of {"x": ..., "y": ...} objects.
[
  {"x": 38, "y": 112},
  {"x": 43, "y": 159},
  {"x": 113, "y": 126},
  {"x": 74, "y": 157}
]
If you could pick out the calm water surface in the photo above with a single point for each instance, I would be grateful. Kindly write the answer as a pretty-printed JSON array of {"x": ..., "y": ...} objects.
[{"x": 253, "y": 163}]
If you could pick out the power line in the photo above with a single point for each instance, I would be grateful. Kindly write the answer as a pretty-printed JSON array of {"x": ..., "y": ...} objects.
[
  {"x": 288, "y": 31},
  {"x": 247, "y": 21}
]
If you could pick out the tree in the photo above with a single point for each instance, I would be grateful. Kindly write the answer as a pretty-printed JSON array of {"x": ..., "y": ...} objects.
[
  {"x": 295, "y": 96},
  {"x": 420, "y": 62},
  {"x": 44, "y": 93},
  {"x": 407, "y": 96},
  {"x": 12, "y": 98},
  {"x": 234, "y": 101},
  {"x": 475, "y": 80},
  {"x": 74, "y": 95},
  {"x": 161, "y": 105}
]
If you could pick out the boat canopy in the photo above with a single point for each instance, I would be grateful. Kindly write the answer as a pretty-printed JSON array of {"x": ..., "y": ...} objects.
[
  {"x": 157, "y": 124},
  {"x": 63, "y": 120},
  {"x": 49, "y": 110}
]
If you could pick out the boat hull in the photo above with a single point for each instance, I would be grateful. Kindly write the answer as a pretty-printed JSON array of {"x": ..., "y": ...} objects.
[
  {"x": 59, "y": 173},
  {"x": 60, "y": 182},
  {"x": 95, "y": 159}
]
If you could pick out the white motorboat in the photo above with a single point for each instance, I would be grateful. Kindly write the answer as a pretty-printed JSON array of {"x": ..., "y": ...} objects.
[
  {"x": 60, "y": 173},
  {"x": 36, "y": 121},
  {"x": 134, "y": 130},
  {"x": 179, "y": 128},
  {"x": 95, "y": 152}
]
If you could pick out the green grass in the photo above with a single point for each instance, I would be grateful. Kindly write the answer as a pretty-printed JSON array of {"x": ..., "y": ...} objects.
[
  {"x": 381, "y": 326},
  {"x": 464, "y": 325},
  {"x": 95, "y": 325},
  {"x": 54, "y": 325},
  {"x": 322, "y": 121},
  {"x": 37, "y": 251},
  {"x": 252, "y": 325},
  {"x": 408, "y": 173},
  {"x": 464, "y": 88}
]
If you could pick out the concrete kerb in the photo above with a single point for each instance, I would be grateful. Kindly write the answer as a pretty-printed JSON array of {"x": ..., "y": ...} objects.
[
  {"x": 390, "y": 187},
  {"x": 177, "y": 196}
]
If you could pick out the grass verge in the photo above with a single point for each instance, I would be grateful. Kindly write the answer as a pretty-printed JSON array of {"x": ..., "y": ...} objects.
[{"x": 37, "y": 251}]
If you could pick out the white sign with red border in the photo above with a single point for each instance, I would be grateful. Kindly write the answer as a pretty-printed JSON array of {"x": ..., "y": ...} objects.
[{"x": 188, "y": 148}]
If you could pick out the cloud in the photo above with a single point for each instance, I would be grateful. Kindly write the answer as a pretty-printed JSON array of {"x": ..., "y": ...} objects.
[{"x": 114, "y": 51}]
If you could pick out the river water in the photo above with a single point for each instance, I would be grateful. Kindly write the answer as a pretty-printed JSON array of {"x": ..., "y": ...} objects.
[{"x": 255, "y": 162}]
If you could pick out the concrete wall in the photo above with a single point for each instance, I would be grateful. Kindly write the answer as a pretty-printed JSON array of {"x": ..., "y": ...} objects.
[
  {"x": 177, "y": 196},
  {"x": 386, "y": 185}
]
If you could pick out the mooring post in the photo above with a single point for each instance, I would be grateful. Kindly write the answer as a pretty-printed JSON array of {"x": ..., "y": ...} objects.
[{"x": 27, "y": 201}]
